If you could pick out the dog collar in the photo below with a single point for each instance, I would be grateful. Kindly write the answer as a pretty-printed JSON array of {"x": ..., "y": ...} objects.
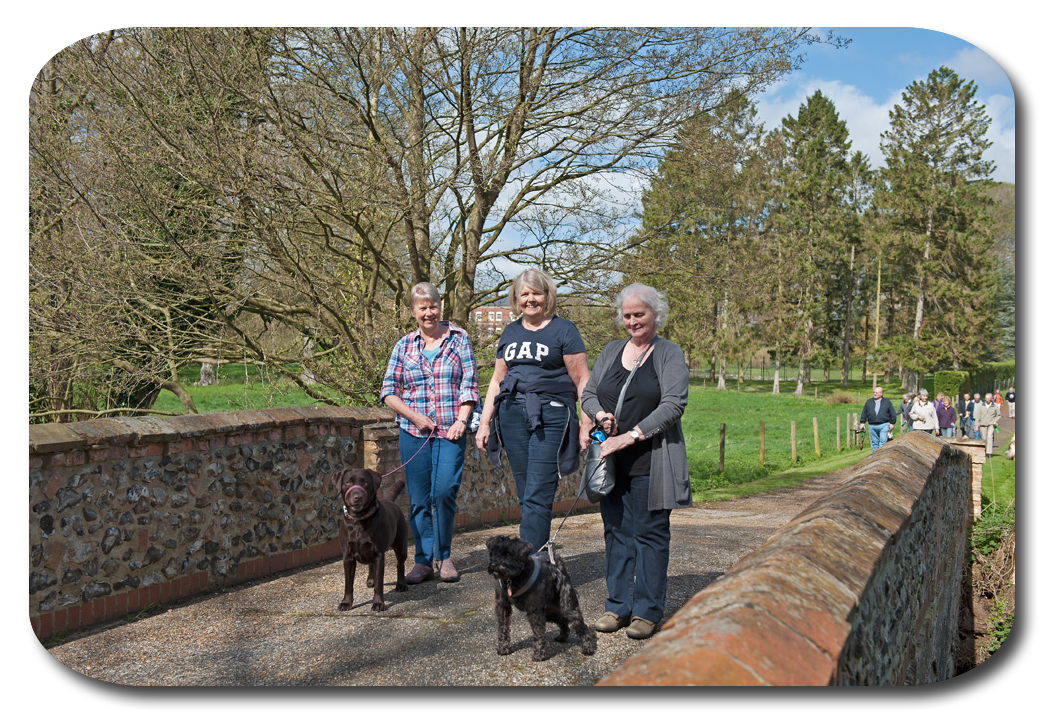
[
  {"x": 368, "y": 513},
  {"x": 529, "y": 580}
]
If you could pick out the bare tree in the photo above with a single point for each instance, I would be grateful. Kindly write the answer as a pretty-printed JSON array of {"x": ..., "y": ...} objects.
[{"x": 273, "y": 193}]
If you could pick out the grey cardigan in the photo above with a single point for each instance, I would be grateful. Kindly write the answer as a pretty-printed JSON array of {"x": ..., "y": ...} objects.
[{"x": 669, "y": 472}]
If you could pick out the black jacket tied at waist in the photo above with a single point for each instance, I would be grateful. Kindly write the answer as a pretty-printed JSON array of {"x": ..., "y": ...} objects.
[{"x": 535, "y": 392}]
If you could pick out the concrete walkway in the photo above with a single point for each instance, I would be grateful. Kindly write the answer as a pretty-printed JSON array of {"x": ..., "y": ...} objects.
[{"x": 287, "y": 631}]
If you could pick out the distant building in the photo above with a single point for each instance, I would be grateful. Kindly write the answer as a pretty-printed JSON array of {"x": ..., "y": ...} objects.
[{"x": 491, "y": 320}]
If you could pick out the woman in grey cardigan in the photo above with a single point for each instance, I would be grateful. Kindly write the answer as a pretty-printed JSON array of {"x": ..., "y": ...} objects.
[{"x": 652, "y": 477}]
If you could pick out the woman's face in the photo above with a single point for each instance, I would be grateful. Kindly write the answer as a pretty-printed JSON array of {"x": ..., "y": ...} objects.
[
  {"x": 639, "y": 321},
  {"x": 427, "y": 313},
  {"x": 533, "y": 303}
]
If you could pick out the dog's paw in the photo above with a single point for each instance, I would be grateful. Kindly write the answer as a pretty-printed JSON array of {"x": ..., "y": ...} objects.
[
  {"x": 370, "y": 582},
  {"x": 400, "y": 586},
  {"x": 344, "y": 606},
  {"x": 563, "y": 636},
  {"x": 503, "y": 650},
  {"x": 587, "y": 649},
  {"x": 379, "y": 606},
  {"x": 539, "y": 656}
]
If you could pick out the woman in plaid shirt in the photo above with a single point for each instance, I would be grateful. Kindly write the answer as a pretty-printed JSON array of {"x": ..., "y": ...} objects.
[{"x": 431, "y": 384}]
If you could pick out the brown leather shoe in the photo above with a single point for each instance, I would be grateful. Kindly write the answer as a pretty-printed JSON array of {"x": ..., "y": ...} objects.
[
  {"x": 640, "y": 628},
  {"x": 609, "y": 622},
  {"x": 419, "y": 573},
  {"x": 447, "y": 571}
]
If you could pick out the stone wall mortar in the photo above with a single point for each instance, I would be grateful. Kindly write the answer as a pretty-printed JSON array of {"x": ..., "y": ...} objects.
[
  {"x": 127, "y": 512},
  {"x": 863, "y": 587}
]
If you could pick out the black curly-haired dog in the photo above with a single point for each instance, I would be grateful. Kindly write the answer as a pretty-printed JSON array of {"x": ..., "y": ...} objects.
[
  {"x": 370, "y": 526},
  {"x": 539, "y": 588}
]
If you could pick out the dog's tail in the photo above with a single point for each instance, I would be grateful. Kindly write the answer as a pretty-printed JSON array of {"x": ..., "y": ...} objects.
[{"x": 393, "y": 492}]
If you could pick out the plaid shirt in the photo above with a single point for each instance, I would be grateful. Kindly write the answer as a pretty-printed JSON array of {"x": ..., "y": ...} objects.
[{"x": 434, "y": 388}]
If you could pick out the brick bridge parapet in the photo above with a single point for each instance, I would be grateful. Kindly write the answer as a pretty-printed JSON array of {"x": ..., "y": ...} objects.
[
  {"x": 125, "y": 513},
  {"x": 864, "y": 587}
]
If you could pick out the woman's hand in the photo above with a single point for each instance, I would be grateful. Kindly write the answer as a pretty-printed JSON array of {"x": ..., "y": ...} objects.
[
  {"x": 607, "y": 422},
  {"x": 457, "y": 430},
  {"x": 482, "y": 436},
  {"x": 615, "y": 443},
  {"x": 423, "y": 423}
]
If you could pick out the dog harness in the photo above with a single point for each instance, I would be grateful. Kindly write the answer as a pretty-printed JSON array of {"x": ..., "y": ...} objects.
[{"x": 534, "y": 573}]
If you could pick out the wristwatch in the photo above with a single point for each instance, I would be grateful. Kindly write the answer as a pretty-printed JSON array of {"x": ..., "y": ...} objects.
[{"x": 634, "y": 433}]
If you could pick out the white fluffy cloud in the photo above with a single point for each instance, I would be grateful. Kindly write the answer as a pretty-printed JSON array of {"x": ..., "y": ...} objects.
[{"x": 867, "y": 119}]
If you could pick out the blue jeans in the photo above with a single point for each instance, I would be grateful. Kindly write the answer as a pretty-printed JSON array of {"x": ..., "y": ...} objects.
[
  {"x": 879, "y": 435},
  {"x": 433, "y": 477},
  {"x": 947, "y": 432},
  {"x": 533, "y": 455},
  {"x": 637, "y": 542}
]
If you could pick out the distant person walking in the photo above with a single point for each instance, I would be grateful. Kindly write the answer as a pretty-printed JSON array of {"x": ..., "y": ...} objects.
[
  {"x": 905, "y": 411},
  {"x": 964, "y": 403},
  {"x": 987, "y": 421},
  {"x": 1010, "y": 398},
  {"x": 946, "y": 417},
  {"x": 923, "y": 414},
  {"x": 880, "y": 415},
  {"x": 974, "y": 412}
]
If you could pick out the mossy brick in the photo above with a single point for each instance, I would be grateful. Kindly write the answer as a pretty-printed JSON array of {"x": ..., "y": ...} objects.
[
  {"x": 193, "y": 426},
  {"x": 104, "y": 431}
]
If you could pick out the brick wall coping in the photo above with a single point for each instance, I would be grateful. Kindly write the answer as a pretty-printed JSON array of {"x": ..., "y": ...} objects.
[{"x": 124, "y": 431}]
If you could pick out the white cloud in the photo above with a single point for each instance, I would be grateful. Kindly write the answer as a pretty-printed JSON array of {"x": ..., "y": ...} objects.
[
  {"x": 867, "y": 119},
  {"x": 975, "y": 64}
]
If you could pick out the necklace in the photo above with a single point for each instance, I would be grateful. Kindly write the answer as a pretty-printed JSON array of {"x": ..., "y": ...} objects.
[{"x": 642, "y": 351}]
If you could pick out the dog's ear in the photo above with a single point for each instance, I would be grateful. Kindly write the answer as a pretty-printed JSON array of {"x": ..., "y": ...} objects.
[
  {"x": 522, "y": 548},
  {"x": 338, "y": 481},
  {"x": 491, "y": 543},
  {"x": 375, "y": 479}
]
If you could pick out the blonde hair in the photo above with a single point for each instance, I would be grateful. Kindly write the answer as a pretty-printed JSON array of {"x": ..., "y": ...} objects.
[{"x": 535, "y": 279}]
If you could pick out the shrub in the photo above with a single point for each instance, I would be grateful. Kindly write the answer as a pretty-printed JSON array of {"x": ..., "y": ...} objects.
[
  {"x": 949, "y": 382},
  {"x": 840, "y": 398}
]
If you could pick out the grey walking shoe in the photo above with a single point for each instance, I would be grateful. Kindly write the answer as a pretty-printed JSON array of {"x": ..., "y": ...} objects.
[
  {"x": 610, "y": 622},
  {"x": 640, "y": 628}
]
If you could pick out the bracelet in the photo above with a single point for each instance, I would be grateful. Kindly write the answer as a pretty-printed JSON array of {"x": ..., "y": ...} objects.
[{"x": 463, "y": 422}]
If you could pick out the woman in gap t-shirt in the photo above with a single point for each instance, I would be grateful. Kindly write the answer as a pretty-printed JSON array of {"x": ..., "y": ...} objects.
[{"x": 541, "y": 369}]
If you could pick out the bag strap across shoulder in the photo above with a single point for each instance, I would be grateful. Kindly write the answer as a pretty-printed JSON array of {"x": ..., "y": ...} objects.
[{"x": 620, "y": 399}]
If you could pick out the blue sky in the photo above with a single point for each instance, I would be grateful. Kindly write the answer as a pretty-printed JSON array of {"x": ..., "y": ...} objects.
[{"x": 866, "y": 80}]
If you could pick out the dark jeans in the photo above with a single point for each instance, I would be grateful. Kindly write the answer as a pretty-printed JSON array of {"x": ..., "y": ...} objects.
[
  {"x": 533, "y": 455},
  {"x": 637, "y": 542},
  {"x": 433, "y": 477}
]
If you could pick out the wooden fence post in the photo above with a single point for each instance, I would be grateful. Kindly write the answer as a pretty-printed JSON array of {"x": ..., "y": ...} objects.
[
  {"x": 838, "y": 433},
  {"x": 761, "y": 443},
  {"x": 816, "y": 438},
  {"x": 722, "y": 449},
  {"x": 848, "y": 434},
  {"x": 794, "y": 443}
]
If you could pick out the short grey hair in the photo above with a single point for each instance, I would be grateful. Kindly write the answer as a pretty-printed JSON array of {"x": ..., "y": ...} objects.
[
  {"x": 425, "y": 290},
  {"x": 650, "y": 296},
  {"x": 924, "y": 392}
]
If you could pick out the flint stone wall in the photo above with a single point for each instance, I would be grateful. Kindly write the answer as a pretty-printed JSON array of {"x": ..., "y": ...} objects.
[
  {"x": 863, "y": 587},
  {"x": 125, "y": 513}
]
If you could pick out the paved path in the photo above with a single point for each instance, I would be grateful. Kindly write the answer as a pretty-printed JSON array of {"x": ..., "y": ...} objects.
[{"x": 287, "y": 630}]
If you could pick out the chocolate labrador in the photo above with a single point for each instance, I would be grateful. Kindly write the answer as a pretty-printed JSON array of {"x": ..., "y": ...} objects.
[{"x": 370, "y": 526}]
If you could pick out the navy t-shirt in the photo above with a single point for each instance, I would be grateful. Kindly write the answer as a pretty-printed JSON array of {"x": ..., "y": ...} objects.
[{"x": 532, "y": 355}]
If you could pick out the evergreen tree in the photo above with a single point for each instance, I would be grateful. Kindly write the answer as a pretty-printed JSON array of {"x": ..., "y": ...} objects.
[
  {"x": 813, "y": 218},
  {"x": 700, "y": 235},
  {"x": 934, "y": 151}
]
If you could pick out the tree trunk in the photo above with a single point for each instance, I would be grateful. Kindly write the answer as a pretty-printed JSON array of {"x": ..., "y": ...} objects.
[
  {"x": 208, "y": 374},
  {"x": 776, "y": 375},
  {"x": 721, "y": 374}
]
